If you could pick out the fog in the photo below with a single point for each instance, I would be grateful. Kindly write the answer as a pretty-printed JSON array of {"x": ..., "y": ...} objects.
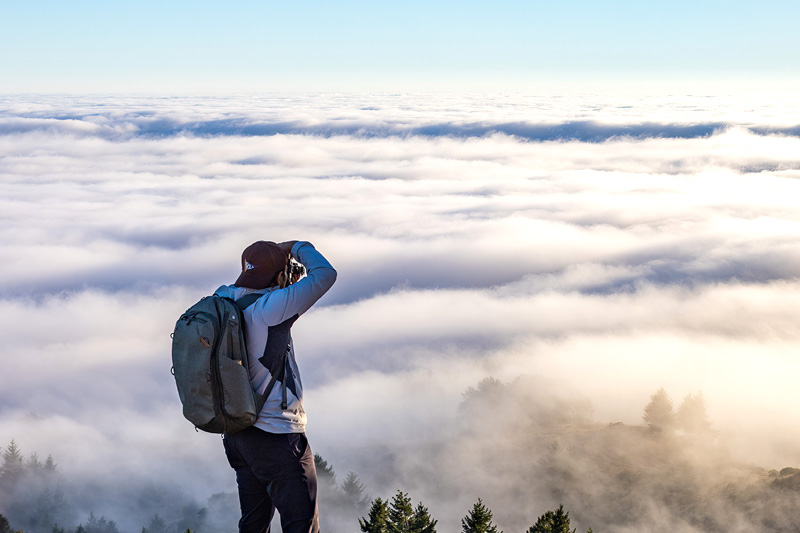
[{"x": 599, "y": 247}]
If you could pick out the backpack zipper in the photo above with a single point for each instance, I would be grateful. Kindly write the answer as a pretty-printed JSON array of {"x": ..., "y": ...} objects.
[{"x": 216, "y": 378}]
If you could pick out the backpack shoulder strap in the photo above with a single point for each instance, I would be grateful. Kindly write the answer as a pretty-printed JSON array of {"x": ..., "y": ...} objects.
[
  {"x": 275, "y": 357},
  {"x": 246, "y": 301}
]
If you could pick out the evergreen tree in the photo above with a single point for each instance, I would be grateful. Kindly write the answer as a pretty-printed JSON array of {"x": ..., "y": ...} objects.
[
  {"x": 397, "y": 517},
  {"x": 692, "y": 416},
  {"x": 325, "y": 471},
  {"x": 13, "y": 466},
  {"x": 478, "y": 520},
  {"x": 422, "y": 522},
  {"x": 377, "y": 520},
  {"x": 156, "y": 525},
  {"x": 660, "y": 412},
  {"x": 192, "y": 517},
  {"x": 100, "y": 525},
  {"x": 334, "y": 506},
  {"x": 50, "y": 465},
  {"x": 5, "y": 527},
  {"x": 33, "y": 464},
  {"x": 45, "y": 505},
  {"x": 489, "y": 390},
  {"x": 400, "y": 513},
  {"x": 353, "y": 491},
  {"x": 57, "y": 529},
  {"x": 552, "y": 522}
]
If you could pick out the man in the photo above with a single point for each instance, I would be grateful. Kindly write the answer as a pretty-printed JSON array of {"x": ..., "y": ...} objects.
[{"x": 273, "y": 462}]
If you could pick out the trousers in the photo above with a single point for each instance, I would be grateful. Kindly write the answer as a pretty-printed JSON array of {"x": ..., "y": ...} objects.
[{"x": 274, "y": 471}]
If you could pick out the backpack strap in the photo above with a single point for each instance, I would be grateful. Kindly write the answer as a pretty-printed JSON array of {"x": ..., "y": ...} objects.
[
  {"x": 243, "y": 303},
  {"x": 276, "y": 352},
  {"x": 276, "y": 357},
  {"x": 246, "y": 301}
]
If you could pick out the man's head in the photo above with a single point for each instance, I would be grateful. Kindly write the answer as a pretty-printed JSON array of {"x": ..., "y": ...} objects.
[{"x": 262, "y": 261}]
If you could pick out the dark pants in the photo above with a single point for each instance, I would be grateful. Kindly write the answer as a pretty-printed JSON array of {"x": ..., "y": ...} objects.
[{"x": 274, "y": 471}]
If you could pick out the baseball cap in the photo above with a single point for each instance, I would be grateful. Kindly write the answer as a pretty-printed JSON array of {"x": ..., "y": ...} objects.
[{"x": 261, "y": 261}]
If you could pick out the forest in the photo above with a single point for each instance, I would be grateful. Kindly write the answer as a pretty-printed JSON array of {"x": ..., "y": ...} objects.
[{"x": 537, "y": 455}]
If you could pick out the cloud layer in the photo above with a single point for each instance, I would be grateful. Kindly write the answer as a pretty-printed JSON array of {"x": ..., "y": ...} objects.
[{"x": 612, "y": 245}]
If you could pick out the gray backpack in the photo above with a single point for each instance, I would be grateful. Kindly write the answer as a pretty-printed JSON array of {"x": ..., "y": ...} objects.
[{"x": 211, "y": 367}]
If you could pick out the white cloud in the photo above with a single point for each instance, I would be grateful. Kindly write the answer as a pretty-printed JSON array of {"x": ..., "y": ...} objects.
[{"x": 614, "y": 267}]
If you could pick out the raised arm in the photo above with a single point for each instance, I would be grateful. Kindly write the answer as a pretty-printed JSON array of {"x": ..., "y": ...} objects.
[{"x": 298, "y": 297}]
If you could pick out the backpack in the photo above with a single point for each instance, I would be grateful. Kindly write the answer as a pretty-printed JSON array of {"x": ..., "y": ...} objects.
[{"x": 211, "y": 366}]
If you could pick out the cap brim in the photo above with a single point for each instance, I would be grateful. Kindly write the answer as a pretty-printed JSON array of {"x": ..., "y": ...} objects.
[{"x": 253, "y": 280}]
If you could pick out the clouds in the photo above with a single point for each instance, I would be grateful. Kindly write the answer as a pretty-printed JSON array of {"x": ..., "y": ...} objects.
[
  {"x": 635, "y": 244},
  {"x": 115, "y": 228},
  {"x": 533, "y": 117},
  {"x": 141, "y": 198}
]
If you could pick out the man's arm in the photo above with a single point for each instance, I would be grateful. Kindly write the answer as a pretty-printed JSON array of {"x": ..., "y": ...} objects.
[{"x": 298, "y": 297}]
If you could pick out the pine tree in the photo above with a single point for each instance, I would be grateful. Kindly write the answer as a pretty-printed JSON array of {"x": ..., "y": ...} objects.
[
  {"x": 400, "y": 513},
  {"x": 5, "y": 527},
  {"x": 552, "y": 522},
  {"x": 489, "y": 390},
  {"x": 398, "y": 517},
  {"x": 325, "y": 471},
  {"x": 478, "y": 520},
  {"x": 156, "y": 525},
  {"x": 50, "y": 465},
  {"x": 353, "y": 491},
  {"x": 378, "y": 518},
  {"x": 100, "y": 525},
  {"x": 192, "y": 516},
  {"x": 422, "y": 522},
  {"x": 33, "y": 464},
  {"x": 692, "y": 416},
  {"x": 659, "y": 412},
  {"x": 13, "y": 466}
]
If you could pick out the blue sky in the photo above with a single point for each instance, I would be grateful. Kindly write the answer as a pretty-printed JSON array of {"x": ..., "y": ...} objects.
[{"x": 147, "y": 45}]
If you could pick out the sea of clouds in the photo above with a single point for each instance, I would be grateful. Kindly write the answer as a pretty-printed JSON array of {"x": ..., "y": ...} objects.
[{"x": 611, "y": 244}]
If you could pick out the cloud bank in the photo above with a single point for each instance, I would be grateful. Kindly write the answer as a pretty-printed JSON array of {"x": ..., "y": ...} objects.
[{"x": 610, "y": 245}]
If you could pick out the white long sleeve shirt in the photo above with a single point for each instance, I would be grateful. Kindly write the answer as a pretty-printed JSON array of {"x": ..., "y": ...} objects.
[{"x": 276, "y": 306}]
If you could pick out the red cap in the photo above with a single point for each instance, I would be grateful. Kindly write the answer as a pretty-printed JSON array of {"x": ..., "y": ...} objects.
[{"x": 261, "y": 261}]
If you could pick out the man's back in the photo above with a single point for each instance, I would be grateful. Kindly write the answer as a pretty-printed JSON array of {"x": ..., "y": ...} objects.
[{"x": 275, "y": 307}]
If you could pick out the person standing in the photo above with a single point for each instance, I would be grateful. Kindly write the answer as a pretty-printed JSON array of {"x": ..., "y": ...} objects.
[{"x": 273, "y": 461}]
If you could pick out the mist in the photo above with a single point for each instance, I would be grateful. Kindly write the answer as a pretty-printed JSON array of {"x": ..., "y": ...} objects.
[{"x": 583, "y": 251}]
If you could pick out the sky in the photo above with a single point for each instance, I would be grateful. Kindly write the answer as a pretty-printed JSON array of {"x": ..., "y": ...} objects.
[{"x": 248, "y": 46}]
